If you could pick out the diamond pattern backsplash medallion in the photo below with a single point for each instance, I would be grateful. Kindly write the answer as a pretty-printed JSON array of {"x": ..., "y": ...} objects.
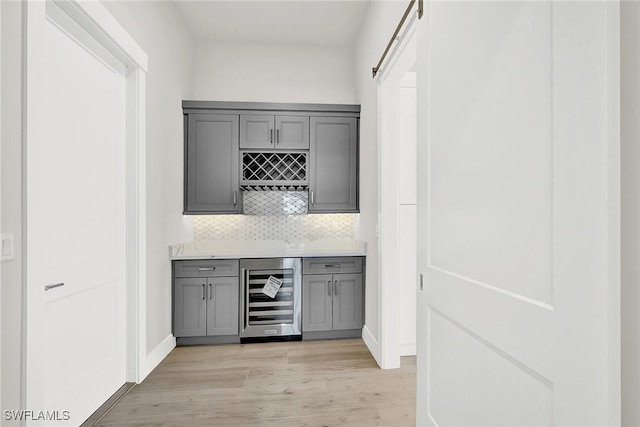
[
  {"x": 274, "y": 215},
  {"x": 275, "y": 202}
]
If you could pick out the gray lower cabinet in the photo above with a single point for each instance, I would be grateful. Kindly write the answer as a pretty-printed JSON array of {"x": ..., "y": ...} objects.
[
  {"x": 274, "y": 132},
  {"x": 190, "y": 307},
  {"x": 212, "y": 164},
  {"x": 347, "y": 301},
  {"x": 333, "y": 169},
  {"x": 317, "y": 302},
  {"x": 332, "y": 303},
  {"x": 206, "y": 305}
]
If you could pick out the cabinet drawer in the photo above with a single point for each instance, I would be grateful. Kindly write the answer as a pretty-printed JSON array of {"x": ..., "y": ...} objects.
[
  {"x": 332, "y": 265},
  {"x": 206, "y": 268}
]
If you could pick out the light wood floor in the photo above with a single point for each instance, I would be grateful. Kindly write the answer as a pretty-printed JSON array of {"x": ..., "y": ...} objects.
[{"x": 317, "y": 383}]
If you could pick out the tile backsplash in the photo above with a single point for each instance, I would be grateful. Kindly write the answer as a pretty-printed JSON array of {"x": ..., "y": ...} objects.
[
  {"x": 275, "y": 203},
  {"x": 274, "y": 215}
]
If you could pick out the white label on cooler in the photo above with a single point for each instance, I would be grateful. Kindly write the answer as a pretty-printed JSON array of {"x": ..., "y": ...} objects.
[{"x": 272, "y": 286}]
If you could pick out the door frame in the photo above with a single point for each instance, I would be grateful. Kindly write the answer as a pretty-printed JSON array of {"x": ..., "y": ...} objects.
[
  {"x": 1, "y": 287},
  {"x": 101, "y": 25},
  {"x": 388, "y": 356}
]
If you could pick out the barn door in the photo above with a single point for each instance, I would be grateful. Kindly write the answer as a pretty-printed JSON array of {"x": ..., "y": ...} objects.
[{"x": 518, "y": 200}]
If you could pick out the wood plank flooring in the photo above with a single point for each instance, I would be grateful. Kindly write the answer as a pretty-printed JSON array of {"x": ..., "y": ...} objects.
[{"x": 313, "y": 383}]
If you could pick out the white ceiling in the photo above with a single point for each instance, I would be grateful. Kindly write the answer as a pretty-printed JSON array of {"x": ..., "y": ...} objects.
[{"x": 307, "y": 22}]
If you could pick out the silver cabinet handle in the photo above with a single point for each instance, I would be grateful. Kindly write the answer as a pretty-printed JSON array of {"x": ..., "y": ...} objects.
[
  {"x": 56, "y": 285},
  {"x": 312, "y": 197},
  {"x": 271, "y": 136},
  {"x": 421, "y": 282},
  {"x": 235, "y": 198},
  {"x": 329, "y": 287},
  {"x": 244, "y": 304},
  {"x": 210, "y": 293},
  {"x": 206, "y": 268},
  {"x": 335, "y": 287},
  {"x": 203, "y": 296},
  {"x": 278, "y": 136},
  {"x": 332, "y": 266}
]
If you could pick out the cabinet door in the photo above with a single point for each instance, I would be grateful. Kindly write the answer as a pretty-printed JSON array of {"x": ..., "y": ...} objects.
[
  {"x": 222, "y": 306},
  {"x": 292, "y": 132},
  {"x": 189, "y": 307},
  {"x": 256, "y": 131},
  {"x": 212, "y": 180},
  {"x": 333, "y": 168},
  {"x": 316, "y": 302},
  {"x": 347, "y": 301}
]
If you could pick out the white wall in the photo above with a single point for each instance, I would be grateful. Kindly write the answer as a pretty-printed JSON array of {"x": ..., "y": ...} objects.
[
  {"x": 230, "y": 71},
  {"x": 630, "y": 235},
  {"x": 378, "y": 26},
  {"x": 11, "y": 309},
  {"x": 155, "y": 26}
]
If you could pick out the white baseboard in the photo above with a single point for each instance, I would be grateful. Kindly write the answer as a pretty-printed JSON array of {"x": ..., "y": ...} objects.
[
  {"x": 408, "y": 349},
  {"x": 157, "y": 355},
  {"x": 372, "y": 344}
]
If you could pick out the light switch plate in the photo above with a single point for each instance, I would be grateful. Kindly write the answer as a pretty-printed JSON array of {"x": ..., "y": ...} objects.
[{"x": 6, "y": 253}]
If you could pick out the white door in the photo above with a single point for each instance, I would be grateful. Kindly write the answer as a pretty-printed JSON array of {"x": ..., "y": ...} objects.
[
  {"x": 75, "y": 184},
  {"x": 518, "y": 201}
]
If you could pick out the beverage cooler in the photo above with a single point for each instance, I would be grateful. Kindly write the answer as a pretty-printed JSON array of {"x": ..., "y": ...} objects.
[{"x": 270, "y": 292}]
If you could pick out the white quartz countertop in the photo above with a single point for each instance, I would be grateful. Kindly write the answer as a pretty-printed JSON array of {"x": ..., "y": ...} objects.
[{"x": 225, "y": 249}]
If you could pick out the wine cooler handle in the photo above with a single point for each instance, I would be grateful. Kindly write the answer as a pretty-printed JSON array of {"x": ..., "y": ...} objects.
[{"x": 244, "y": 304}]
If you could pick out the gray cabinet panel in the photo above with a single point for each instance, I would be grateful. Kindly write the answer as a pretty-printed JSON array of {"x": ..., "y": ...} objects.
[
  {"x": 292, "y": 132},
  {"x": 206, "y": 268},
  {"x": 189, "y": 307},
  {"x": 333, "y": 171},
  {"x": 332, "y": 265},
  {"x": 347, "y": 301},
  {"x": 256, "y": 131},
  {"x": 316, "y": 303},
  {"x": 212, "y": 178},
  {"x": 215, "y": 132},
  {"x": 269, "y": 132},
  {"x": 206, "y": 298},
  {"x": 222, "y": 306}
]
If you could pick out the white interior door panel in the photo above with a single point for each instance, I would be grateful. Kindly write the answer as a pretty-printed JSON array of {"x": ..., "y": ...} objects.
[
  {"x": 517, "y": 205},
  {"x": 75, "y": 220}
]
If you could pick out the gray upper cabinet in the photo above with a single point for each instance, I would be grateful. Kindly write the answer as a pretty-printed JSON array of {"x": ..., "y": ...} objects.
[
  {"x": 234, "y": 146},
  {"x": 256, "y": 131},
  {"x": 333, "y": 169},
  {"x": 212, "y": 161},
  {"x": 274, "y": 132},
  {"x": 292, "y": 132}
]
